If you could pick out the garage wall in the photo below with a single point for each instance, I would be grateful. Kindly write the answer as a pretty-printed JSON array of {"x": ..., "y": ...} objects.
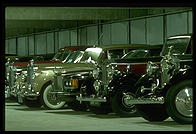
[
  {"x": 176, "y": 24},
  {"x": 31, "y": 43},
  {"x": 22, "y": 47},
  {"x": 106, "y": 37},
  {"x": 92, "y": 35},
  {"x": 40, "y": 44},
  {"x": 190, "y": 22},
  {"x": 50, "y": 43},
  {"x": 138, "y": 31},
  {"x": 154, "y": 30},
  {"x": 120, "y": 33},
  {"x": 12, "y": 46},
  {"x": 56, "y": 41},
  {"x": 82, "y": 36},
  {"x": 73, "y": 38},
  {"x": 6, "y": 46},
  {"x": 64, "y": 39},
  {"x": 151, "y": 30}
]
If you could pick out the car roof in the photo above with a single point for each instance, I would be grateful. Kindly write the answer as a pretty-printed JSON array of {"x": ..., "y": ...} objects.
[
  {"x": 130, "y": 46},
  {"x": 74, "y": 48},
  {"x": 180, "y": 36}
]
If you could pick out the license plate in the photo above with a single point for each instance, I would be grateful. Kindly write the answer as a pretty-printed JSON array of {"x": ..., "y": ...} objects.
[{"x": 20, "y": 100}]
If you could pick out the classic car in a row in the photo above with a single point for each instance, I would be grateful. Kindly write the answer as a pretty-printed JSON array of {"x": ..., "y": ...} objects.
[
  {"x": 35, "y": 83},
  {"x": 14, "y": 69},
  {"x": 106, "y": 90},
  {"x": 166, "y": 88},
  {"x": 67, "y": 84},
  {"x": 125, "y": 79}
]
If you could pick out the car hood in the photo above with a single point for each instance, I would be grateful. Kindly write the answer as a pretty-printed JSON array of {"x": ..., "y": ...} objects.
[
  {"x": 24, "y": 64},
  {"x": 66, "y": 67}
]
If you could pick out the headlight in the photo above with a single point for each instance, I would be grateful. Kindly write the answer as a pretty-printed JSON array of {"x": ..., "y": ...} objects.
[
  {"x": 111, "y": 69},
  {"x": 96, "y": 85},
  {"x": 72, "y": 83},
  {"x": 24, "y": 75},
  {"x": 96, "y": 73},
  {"x": 151, "y": 67}
]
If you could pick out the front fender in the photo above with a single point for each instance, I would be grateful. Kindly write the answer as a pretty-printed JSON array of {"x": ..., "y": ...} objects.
[
  {"x": 41, "y": 79},
  {"x": 183, "y": 74},
  {"x": 125, "y": 79}
]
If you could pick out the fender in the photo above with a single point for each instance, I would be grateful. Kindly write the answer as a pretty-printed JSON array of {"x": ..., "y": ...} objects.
[
  {"x": 42, "y": 79},
  {"x": 180, "y": 76},
  {"x": 124, "y": 79}
]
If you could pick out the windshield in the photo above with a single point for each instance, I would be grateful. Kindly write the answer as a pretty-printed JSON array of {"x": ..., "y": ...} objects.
[
  {"x": 136, "y": 54},
  {"x": 91, "y": 54},
  {"x": 61, "y": 54},
  {"x": 179, "y": 45},
  {"x": 74, "y": 57}
]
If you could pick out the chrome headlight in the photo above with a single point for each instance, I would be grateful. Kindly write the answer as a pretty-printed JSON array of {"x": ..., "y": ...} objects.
[
  {"x": 73, "y": 83},
  {"x": 111, "y": 69},
  {"x": 151, "y": 68},
  {"x": 97, "y": 85},
  {"x": 24, "y": 76},
  {"x": 96, "y": 73}
]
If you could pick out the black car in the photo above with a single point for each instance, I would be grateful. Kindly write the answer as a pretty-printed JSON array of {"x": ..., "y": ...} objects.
[{"x": 114, "y": 81}]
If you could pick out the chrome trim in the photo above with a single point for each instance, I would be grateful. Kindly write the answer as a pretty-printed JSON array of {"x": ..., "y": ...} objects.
[
  {"x": 153, "y": 100},
  {"x": 91, "y": 98},
  {"x": 62, "y": 93}
]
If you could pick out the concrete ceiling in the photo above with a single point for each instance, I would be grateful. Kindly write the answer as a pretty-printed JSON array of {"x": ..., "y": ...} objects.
[{"x": 26, "y": 20}]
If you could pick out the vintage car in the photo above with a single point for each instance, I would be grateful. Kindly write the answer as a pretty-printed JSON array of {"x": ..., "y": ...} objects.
[
  {"x": 114, "y": 79},
  {"x": 10, "y": 60},
  {"x": 68, "y": 84},
  {"x": 34, "y": 84},
  {"x": 166, "y": 92},
  {"x": 14, "y": 68}
]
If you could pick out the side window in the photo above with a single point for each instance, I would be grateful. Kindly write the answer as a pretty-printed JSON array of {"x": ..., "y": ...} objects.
[{"x": 115, "y": 54}]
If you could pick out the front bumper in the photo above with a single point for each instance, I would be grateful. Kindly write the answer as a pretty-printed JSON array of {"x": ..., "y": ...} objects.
[
  {"x": 64, "y": 96},
  {"x": 24, "y": 92}
]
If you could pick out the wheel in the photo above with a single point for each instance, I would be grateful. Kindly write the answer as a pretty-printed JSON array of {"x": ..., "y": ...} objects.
[
  {"x": 32, "y": 103},
  {"x": 76, "y": 106},
  {"x": 102, "y": 108},
  {"x": 120, "y": 104},
  {"x": 49, "y": 101},
  {"x": 151, "y": 112},
  {"x": 179, "y": 102}
]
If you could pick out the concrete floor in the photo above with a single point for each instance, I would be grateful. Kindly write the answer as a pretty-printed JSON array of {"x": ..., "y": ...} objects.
[{"x": 21, "y": 118}]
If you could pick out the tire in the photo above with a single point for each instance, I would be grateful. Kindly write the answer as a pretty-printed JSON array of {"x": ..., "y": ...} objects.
[
  {"x": 151, "y": 112},
  {"x": 103, "y": 108},
  {"x": 76, "y": 106},
  {"x": 50, "y": 101},
  {"x": 119, "y": 105},
  {"x": 175, "y": 97},
  {"x": 32, "y": 103}
]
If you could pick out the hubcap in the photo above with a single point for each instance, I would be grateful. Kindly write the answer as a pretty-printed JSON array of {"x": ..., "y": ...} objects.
[
  {"x": 184, "y": 102},
  {"x": 126, "y": 99},
  {"x": 52, "y": 98}
]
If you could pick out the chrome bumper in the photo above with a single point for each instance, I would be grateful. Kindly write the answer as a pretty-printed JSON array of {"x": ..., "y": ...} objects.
[
  {"x": 25, "y": 92},
  {"x": 91, "y": 98}
]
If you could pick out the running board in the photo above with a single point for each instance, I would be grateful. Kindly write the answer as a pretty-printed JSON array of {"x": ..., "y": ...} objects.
[
  {"x": 134, "y": 101},
  {"x": 91, "y": 99}
]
